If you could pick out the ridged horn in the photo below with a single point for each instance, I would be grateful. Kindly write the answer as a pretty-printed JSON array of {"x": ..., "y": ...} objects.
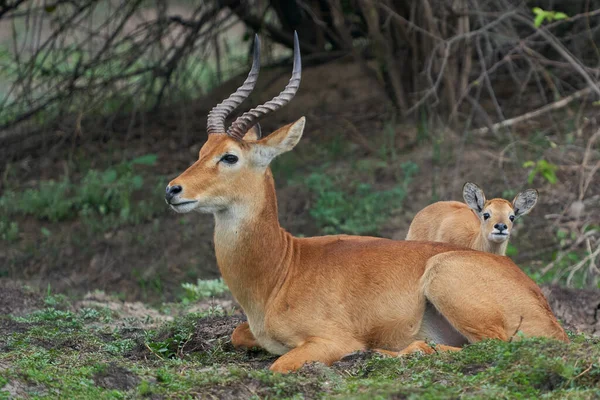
[
  {"x": 216, "y": 117},
  {"x": 245, "y": 121}
]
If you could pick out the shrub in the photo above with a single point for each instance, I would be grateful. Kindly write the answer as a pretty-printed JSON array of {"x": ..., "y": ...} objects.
[
  {"x": 108, "y": 193},
  {"x": 358, "y": 209}
]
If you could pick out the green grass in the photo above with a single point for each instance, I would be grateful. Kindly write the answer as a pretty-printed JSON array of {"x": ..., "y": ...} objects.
[
  {"x": 203, "y": 289},
  {"x": 54, "y": 353},
  {"x": 101, "y": 199},
  {"x": 9, "y": 230},
  {"x": 357, "y": 207}
]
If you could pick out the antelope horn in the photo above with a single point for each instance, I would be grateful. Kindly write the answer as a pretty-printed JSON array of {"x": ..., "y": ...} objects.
[
  {"x": 245, "y": 121},
  {"x": 216, "y": 116}
]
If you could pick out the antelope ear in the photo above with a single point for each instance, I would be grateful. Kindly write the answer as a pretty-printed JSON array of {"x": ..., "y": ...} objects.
[
  {"x": 474, "y": 197},
  {"x": 253, "y": 134},
  {"x": 524, "y": 202},
  {"x": 282, "y": 140}
]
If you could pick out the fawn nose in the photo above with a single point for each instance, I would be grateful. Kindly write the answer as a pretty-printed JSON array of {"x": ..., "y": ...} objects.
[
  {"x": 172, "y": 191},
  {"x": 501, "y": 227}
]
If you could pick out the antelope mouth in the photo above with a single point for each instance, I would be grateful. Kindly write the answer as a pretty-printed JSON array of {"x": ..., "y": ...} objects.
[
  {"x": 183, "y": 206},
  {"x": 182, "y": 203},
  {"x": 499, "y": 236}
]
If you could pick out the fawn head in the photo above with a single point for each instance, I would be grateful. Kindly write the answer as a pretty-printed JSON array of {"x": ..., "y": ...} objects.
[
  {"x": 233, "y": 162},
  {"x": 497, "y": 216}
]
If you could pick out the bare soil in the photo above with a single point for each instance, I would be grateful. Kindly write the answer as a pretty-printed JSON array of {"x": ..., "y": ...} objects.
[
  {"x": 16, "y": 300},
  {"x": 116, "y": 377}
]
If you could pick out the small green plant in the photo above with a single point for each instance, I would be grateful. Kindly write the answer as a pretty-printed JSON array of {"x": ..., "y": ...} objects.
[
  {"x": 170, "y": 341},
  {"x": 358, "y": 210},
  {"x": 544, "y": 15},
  {"x": 509, "y": 194},
  {"x": 9, "y": 231},
  {"x": 203, "y": 289},
  {"x": 541, "y": 167},
  {"x": 95, "y": 314},
  {"x": 511, "y": 250},
  {"x": 107, "y": 194}
]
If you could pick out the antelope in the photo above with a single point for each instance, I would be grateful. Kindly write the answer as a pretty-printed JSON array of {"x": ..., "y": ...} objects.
[
  {"x": 318, "y": 299},
  {"x": 479, "y": 224}
]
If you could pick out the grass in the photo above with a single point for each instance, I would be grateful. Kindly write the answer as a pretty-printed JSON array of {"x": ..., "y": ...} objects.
[
  {"x": 203, "y": 289},
  {"x": 60, "y": 353},
  {"x": 355, "y": 208},
  {"x": 103, "y": 199}
]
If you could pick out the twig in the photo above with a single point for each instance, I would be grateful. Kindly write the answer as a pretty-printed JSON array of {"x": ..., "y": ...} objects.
[
  {"x": 532, "y": 114},
  {"x": 358, "y": 137},
  {"x": 584, "y": 372},
  {"x": 580, "y": 264},
  {"x": 562, "y": 51},
  {"x": 410, "y": 24},
  {"x": 584, "y": 182},
  {"x": 153, "y": 352},
  {"x": 579, "y": 240},
  {"x": 516, "y": 330}
]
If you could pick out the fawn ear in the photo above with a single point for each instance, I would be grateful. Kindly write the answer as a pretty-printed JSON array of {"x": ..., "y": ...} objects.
[
  {"x": 282, "y": 140},
  {"x": 524, "y": 202},
  {"x": 474, "y": 197},
  {"x": 253, "y": 134}
]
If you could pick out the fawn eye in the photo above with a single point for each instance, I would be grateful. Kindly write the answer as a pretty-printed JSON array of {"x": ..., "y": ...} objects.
[
  {"x": 486, "y": 216},
  {"x": 229, "y": 159},
  {"x": 512, "y": 217}
]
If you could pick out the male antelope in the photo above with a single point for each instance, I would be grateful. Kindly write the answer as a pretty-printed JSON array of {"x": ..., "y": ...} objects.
[
  {"x": 320, "y": 298},
  {"x": 479, "y": 224}
]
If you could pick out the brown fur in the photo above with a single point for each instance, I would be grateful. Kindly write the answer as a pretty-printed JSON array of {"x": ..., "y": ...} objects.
[
  {"x": 320, "y": 298},
  {"x": 464, "y": 224},
  {"x": 454, "y": 222}
]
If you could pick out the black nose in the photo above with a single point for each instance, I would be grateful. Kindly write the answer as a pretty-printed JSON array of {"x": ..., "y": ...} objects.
[
  {"x": 172, "y": 191},
  {"x": 501, "y": 227}
]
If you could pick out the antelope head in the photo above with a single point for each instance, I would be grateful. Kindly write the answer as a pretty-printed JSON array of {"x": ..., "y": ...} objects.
[
  {"x": 233, "y": 162},
  {"x": 497, "y": 216}
]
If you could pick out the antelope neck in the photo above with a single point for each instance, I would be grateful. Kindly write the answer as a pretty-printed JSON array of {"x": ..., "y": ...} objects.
[{"x": 253, "y": 251}]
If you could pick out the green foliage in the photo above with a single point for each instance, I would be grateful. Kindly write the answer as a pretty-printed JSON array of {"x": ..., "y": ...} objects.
[
  {"x": 509, "y": 194},
  {"x": 563, "y": 270},
  {"x": 107, "y": 194},
  {"x": 357, "y": 209},
  {"x": 203, "y": 289},
  {"x": 170, "y": 341},
  {"x": 95, "y": 314},
  {"x": 541, "y": 167},
  {"x": 50, "y": 201},
  {"x": 511, "y": 250},
  {"x": 58, "y": 301},
  {"x": 9, "y": 230},
  {"x": 529, "y": 368},
  {"x": 543, "y": 15},
  {"x": 54, "y": 317}
]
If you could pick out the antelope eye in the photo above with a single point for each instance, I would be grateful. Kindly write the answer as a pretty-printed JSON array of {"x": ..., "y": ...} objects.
[
  {"x": 229, "y": 159},
  {"x": 486, "y": 216},
  {"x": 512, "y": 217}
]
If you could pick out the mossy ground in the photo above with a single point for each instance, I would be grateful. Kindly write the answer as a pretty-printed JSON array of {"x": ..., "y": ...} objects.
[{"x": 67, "y": 349}]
